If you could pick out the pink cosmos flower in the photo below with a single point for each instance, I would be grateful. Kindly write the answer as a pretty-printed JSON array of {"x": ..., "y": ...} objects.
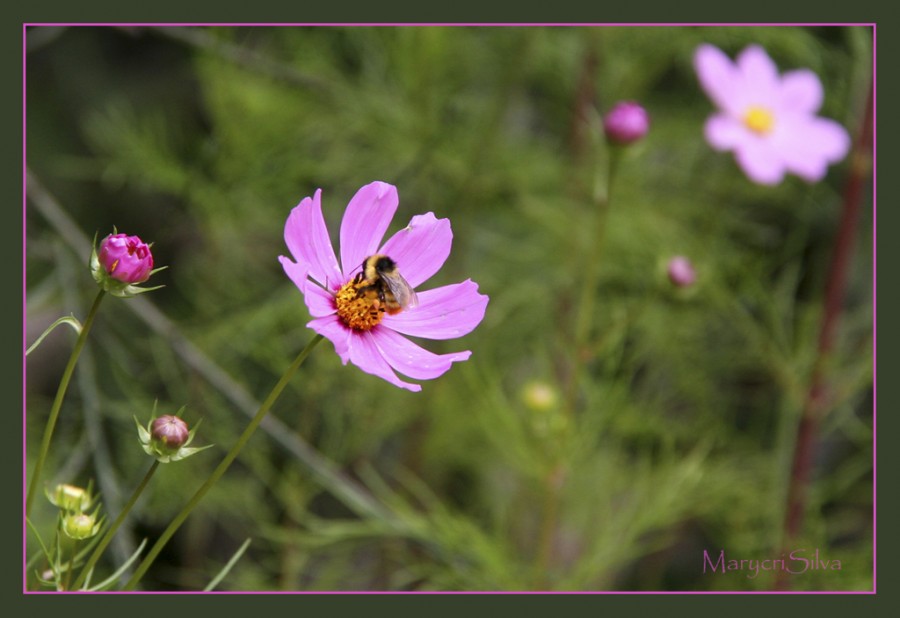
[
  {"x": 768, "y": 120},
  {"x": 351, "y": 314}
]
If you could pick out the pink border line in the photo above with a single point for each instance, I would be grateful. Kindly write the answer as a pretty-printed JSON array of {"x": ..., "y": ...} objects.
[
  {"x": 874, "y": 314},
  {"x": 452, "y": 24},
  {"x": 24, "y": 314},
  {"x": 873, "y": 25}
]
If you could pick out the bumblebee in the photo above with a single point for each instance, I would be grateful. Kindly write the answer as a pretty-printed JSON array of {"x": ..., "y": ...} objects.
[{"x": 379, "y": 276}]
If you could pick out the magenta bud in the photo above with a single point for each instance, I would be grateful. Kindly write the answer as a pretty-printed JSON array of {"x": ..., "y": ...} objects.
[
  {"x": 681, "y": 272},
  {"x": 169, "y": 433},
  {"x": 167, "y": 438},
  {"x": 625, "y": 123},
  {"x": 126, "y": 258}
]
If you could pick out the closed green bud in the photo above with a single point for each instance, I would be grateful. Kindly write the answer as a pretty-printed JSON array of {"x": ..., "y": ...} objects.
[
  {"x": 80, "y": 526},
  {"x": 71, "y": 498},
  {"x": 540, "y": 396}
]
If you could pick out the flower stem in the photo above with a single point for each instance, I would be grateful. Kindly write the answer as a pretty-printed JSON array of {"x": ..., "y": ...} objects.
[
  {"x": 57, "y": 403},
  {"x": 817, "y": 397},
  {"x": 114, "y": 527},
  {"x": 553, "y": 482},
  {"x": 590, "y": 281},
  {"x": 71, "y": 565},
  {"x": 581, "y": 352},
  {"x": 223, "y": 466}
]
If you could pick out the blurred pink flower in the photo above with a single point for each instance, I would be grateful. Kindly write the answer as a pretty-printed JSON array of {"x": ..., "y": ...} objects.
[
  {"x": 768, "y": 120},
  {"x": 376, "y": 343}
]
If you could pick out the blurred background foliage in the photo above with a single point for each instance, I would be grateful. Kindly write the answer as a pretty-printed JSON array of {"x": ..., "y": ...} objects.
[{"x": 501, "y": 475}]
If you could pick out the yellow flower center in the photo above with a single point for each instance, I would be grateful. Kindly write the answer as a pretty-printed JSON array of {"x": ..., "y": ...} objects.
[
  {"x": 358, "y": 310},
  {"x": 759, "y": 120}
]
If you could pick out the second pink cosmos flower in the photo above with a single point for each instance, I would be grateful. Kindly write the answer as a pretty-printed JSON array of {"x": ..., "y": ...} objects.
[
  {"x": 418, "y": 250},
  {"x": 768, "y": 120}
]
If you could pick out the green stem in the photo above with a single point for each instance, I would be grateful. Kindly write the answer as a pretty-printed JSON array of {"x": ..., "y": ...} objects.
[
  {"x": 57, "y": 403},
  {"x": 590, "y": 281},
  {"x": 553, "y": 481},
  {"x": 115, "y": 526},
  {"x": 552, "y": 485},
  {"x": 223, "y": 466},
  {"x": 71, "y": 565}
]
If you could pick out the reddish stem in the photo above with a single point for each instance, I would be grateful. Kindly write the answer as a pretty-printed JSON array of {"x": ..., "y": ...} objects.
[
  {"x": 585, "y": 100},
  {"x": 817, "y": 400}
]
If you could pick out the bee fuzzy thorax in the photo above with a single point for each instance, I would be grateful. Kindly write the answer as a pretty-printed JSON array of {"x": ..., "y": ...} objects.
[{"x": 377, "y": 265}]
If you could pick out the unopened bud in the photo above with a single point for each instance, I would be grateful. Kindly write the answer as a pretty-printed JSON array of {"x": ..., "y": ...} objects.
[
  {"x": 539, "y": 396},
  {"x": 126, "y": 258},
  {"x": 169, "y": 433},
  {"x": 625, "y": 123},
  {"x": 120, "y": 263},
  {"x": 71, "y": 498},
  {"x": 80, "y": 525},
  {"x": 167, "y": 438},
  {"x": 681, "y": 272}
]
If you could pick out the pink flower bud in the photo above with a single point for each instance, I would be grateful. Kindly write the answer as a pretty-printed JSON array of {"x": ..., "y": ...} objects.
[
  {"x": 681, "y": 272},
  {"x": 167, "y": 438},
  {"x": 169, "y": 433},
  {"x": 126, "y": 258},
  {"x": 625, "y": 123}
]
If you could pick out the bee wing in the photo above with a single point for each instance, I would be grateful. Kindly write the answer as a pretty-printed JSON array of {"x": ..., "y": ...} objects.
[{"x": 401, "y": 289}]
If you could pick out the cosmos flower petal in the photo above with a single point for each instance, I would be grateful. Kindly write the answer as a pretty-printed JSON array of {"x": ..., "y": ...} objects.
[
  {"x": 716, "y": 74},
  {"x": 368, "y": 355},
  {"x": 443, "y": 313},
  {"x": 307, "y": 238},
  {"x": 811, "y": 144},
  {"x": 829, "y": 138},
  {"x": 365, "y": 221},
  {"x": 759, "y": 73},
  {"x": 319, "y": 302},
  {"x": 801, "y": 91},
  {"x": 297, "y": 273},
  {"x": 333, "y": 329},
  {"x": 724, "y": 132},
  {"x": 810, "y": 170},
  {"x": 761, "y": 164},
  {"x": 410, "y": 359},
  {"x": 421, "y": 248}
]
